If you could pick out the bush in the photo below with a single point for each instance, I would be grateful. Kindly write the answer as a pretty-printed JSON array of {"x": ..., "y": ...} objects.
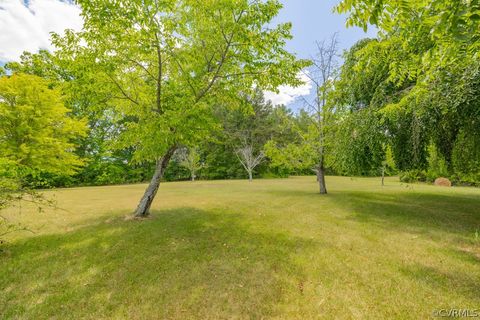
[
  {"x": 437, "y": 166},
  {"x": 472, "y": 179},
  {"x": 413, "y": 176}
]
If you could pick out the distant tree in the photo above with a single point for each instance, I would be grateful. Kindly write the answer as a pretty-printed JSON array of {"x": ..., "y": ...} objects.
[
  {"x": 190, "y": 159},
  {"x": 248, "y": 159},
  {"x": 256, "y": 120},
  {"x": 248, "y": 128}
]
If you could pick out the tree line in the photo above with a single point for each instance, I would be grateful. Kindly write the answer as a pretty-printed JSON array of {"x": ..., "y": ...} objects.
[{"x": 173, "y": 90}]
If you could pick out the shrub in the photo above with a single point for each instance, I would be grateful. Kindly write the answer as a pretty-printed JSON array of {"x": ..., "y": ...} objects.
[
  {"x": 413, "y": 176},
  {"x": 437, "y": 166}
]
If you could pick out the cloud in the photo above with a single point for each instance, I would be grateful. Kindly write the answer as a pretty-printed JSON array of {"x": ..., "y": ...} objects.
[
  {"x": 27, "y": 26},
  {"x": 288, "y": 94}
]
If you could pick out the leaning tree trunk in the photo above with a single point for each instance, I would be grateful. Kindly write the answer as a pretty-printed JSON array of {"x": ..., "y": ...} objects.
[
  {"x": 321, "y": 179},
  {"x": 143, "y": 208}
]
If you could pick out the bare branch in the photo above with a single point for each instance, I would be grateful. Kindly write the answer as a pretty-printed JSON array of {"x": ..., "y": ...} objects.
[{"x": 248, "y": 159}]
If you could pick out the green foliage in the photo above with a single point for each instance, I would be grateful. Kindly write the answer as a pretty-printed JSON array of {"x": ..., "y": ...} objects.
[
  {"x": 36, "y": 130},
  {"x": 415, "y": 175},
  {"x": 389, "y": 162},
  {"x": 292, "y": 156},
  {"x": 421, "y": 75},
  {"x": 437, "y": 166},
  {"x": 466, "y": 159},
  {"x": 166, "y": 64},
  {"x": 450, "y": 19},
  {"x": 9, "y": 182},
  {"x": 36, "y": 140},
  {"x": 149, "y": 74},
  {"x": 220, "y": 161},
  {"x": 86, "y": 99},
  {"x": 359, "y": 144},
  {"x": 191, "y": 160},
  {"x": 146, "y": 75}
]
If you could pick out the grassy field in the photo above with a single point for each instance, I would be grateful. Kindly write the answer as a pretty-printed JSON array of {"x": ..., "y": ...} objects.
[{"x": 239, "y": 250}]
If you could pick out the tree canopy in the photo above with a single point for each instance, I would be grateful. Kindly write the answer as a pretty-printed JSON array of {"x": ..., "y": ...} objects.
[
  {"x": 417, "y": 78},
  {"x": 36, "y": 130}
]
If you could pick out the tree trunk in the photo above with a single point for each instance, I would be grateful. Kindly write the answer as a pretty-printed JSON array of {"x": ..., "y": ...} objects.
[
  {"x": 383, "y": 176},
  {"x": 321, "y": 179},
  {"x": 250, "y": 178},
  {"x": 143, "y": 208}
]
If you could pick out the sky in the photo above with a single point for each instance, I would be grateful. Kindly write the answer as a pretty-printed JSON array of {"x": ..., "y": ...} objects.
[{"x": 25, "y": 26}]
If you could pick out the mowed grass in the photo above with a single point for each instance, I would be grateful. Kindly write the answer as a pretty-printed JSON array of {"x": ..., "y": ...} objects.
[{"x": 240, "y": 250}]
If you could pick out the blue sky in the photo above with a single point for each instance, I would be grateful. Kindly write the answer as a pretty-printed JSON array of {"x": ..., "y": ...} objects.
[
  {"x": 25, "y": 26},
  {"x": 313, "y": 20}
]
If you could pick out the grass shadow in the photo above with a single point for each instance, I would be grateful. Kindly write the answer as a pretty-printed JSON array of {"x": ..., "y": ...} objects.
[
  {"x": 416, "y": 212},
  {"x": 464, "y": 284},
  {"x": 182, "y": 263}
]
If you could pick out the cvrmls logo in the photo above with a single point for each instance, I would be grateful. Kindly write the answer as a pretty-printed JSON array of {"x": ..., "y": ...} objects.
[{"x": 457, "y": 313}]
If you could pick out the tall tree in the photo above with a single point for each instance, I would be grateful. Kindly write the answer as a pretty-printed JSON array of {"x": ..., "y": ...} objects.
[
  {"x": 167, "y": 63},
  {"x": 315, "y": 121},
  {"x": 322, "y": 74},
  {"x": 360, "y": 141}
]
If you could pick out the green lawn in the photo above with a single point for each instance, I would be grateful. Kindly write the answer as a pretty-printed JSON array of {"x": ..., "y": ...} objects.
[{"x": 240, "y": 250}]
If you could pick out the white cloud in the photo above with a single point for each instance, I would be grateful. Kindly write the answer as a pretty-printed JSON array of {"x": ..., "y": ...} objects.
[
  {"x": 27, "y": 27},
  {"x": 288, "y": 94}
]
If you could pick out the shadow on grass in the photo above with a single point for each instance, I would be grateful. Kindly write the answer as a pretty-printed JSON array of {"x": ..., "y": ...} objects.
[
  {"x": 413, "y": 211},
  {"x": 183, "y": 263},
  {"x": 407, "y": 210},
  {"x": 462, "y": 283},
  {"x": 442, "y": 217},
  {"x": 449, "y": 219}
]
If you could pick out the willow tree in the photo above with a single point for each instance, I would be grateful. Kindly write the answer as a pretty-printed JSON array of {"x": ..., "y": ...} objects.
[
  {"x": 167, "y": 63},
  {"x": 421, "y": 74}
]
